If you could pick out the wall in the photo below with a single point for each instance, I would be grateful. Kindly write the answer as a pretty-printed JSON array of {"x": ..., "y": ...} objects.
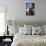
[{"x": 16, "y": 10}]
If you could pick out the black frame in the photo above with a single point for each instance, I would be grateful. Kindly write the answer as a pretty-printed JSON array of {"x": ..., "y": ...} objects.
[{"x": 30, "y": 9}]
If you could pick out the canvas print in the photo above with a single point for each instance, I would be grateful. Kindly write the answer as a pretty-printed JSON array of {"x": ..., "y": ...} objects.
[{"x": 30, "y": 9}]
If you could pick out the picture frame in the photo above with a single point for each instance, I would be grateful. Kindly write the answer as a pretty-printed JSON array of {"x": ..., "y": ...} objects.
[{"x": 30, "y": 9}]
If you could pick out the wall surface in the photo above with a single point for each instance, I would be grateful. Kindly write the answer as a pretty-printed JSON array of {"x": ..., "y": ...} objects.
[{"x": 16, "y": 10}]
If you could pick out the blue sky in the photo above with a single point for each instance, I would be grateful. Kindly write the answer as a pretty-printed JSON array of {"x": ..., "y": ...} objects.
[{"x": 28, "y": 5}]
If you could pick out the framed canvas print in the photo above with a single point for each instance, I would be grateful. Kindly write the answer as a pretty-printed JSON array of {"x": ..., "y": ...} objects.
[{"x": 30, "y": 9}]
